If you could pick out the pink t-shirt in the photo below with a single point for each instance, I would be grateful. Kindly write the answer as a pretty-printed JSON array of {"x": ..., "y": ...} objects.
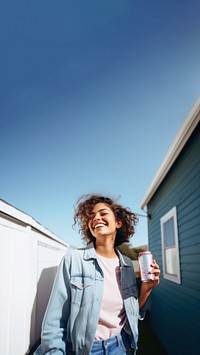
[{"x": 112, "y": 314}]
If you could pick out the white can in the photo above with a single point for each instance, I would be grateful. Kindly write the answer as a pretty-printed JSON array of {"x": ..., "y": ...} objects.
[{"x": 145, "y": 260}]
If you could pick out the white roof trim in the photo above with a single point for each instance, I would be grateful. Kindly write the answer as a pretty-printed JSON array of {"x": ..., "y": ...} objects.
[
  {"x": 15, "y": 213},
  {"x": 176, "y": 147}
]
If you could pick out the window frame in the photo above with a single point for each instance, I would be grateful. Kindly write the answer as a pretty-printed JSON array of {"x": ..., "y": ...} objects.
[{"x": 169, "y": 215}]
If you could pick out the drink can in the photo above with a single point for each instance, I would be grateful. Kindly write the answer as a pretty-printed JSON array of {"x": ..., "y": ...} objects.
[{"x": 145, "y": 260}]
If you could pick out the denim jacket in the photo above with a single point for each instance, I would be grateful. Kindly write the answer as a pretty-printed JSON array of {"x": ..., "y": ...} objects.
[{"x": 73, "y": 310}]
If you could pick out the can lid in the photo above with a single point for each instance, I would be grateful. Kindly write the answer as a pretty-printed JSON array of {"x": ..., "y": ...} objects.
[{"x": 145, "y": 253}]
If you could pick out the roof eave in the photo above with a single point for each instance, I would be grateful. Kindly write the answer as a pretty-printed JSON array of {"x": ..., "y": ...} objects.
[
  {"x": 175, "y": 149},
  {"x": 16, "y": 214}
]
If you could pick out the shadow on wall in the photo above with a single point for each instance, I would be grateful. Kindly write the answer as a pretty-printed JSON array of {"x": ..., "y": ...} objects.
[{"x": 44, "y": 288}]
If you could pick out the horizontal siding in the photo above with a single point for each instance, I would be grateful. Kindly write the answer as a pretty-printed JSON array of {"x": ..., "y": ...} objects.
[
  {"x": 191, "y": 253},
  {"x": 187, "y": 241},
  {"x": 187, "y": 282},
  {"x": 179, "y": 193},
  {"x": 176, "y": 308},
  {"x": 194, "y": 199},
  {"x": 184, "y": 302}
]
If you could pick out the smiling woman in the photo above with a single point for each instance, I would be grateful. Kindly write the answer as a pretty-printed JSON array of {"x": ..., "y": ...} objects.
[
  {"x": 95, "y": 304},
  {"x": 86, "y": 209}
]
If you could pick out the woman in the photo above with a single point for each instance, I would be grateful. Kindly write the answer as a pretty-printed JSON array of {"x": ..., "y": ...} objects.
[{"x": 94, "y": 305}]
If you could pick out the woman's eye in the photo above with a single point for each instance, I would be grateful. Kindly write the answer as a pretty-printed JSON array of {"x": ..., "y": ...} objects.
[{"x": 104, "y": 213}]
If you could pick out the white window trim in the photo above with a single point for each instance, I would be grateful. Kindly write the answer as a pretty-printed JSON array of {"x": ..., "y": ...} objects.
[{"x": 171, "y": 214}]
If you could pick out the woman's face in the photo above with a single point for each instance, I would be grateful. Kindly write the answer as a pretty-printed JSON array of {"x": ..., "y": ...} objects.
[{"x": 102, "y": 221}]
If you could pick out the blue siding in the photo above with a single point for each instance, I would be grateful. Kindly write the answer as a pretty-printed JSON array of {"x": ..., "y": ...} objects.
[{"x": 175, "y": 314}]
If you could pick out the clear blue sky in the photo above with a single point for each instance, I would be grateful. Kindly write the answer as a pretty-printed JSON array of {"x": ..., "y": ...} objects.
[{"x": 92, "y": 94}]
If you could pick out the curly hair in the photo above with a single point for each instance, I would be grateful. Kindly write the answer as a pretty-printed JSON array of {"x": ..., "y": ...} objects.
[{"x": 83, "y": 209}]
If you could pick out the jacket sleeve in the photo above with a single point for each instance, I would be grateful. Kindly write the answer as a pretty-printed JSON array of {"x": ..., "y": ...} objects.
[
  {"x": 147, "y": 306},
  {"x": 56, "y": 316}
]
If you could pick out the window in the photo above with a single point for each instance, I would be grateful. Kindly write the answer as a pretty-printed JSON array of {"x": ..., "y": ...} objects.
[{"x": 170, "y": 247}]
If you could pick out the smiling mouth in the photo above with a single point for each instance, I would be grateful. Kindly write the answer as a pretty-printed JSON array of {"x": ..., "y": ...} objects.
[{"x": 99, "y": 225}]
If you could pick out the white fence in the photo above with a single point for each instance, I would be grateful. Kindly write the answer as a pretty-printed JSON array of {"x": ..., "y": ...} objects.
[{"x": 29, "y": 258}]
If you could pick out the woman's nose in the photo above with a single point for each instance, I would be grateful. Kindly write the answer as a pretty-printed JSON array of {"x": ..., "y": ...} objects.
[{"x": 97, "y": 217}]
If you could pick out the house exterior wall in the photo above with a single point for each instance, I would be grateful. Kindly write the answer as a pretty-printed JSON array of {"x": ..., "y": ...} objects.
[
  {"x": 176, "y": 307},
  {"x": 28, "y": 262}
]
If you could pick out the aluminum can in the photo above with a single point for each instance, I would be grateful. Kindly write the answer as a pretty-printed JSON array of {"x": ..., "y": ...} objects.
[{"x": 145, "y": 260}]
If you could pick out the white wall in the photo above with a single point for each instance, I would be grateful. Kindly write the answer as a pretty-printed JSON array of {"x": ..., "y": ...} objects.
[
  {"x": 29, "y": 257},
  {"x": 136, "y": 265}
]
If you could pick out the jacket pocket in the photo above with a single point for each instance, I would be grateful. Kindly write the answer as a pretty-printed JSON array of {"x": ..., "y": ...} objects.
[{"x": 81, "y": 289}]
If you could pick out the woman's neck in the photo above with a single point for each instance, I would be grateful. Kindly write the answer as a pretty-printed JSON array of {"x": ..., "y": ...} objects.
[{"x": 105, "y": 249}]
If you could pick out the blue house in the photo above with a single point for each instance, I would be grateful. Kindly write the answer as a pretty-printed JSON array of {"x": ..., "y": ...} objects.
[{"x": 173, "y": 206}]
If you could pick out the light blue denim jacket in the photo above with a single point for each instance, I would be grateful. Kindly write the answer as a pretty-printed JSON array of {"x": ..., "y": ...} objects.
[{"x": 73, "y": 311}]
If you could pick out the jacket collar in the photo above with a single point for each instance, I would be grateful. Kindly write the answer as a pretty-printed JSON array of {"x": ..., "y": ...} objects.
[
  {"x": 90, "y": 253},
  {"x": 121, "y": 258}
]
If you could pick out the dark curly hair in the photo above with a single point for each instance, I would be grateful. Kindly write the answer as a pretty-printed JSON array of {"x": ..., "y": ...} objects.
[{"x": 83, "y": 209}]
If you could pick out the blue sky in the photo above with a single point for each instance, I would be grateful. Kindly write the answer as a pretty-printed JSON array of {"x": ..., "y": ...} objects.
[{"x": 92, "y": 94}]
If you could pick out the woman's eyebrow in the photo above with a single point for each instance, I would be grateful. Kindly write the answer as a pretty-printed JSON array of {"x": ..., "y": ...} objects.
[{"x": 102, "y": 209}]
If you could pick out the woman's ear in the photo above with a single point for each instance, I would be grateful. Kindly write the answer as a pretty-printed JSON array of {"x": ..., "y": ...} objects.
[{"x": 119, "y": 224}]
